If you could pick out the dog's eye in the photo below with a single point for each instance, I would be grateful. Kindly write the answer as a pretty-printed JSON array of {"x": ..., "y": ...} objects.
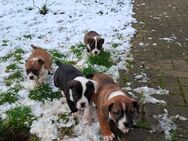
[{"x": 117, "y": 112}]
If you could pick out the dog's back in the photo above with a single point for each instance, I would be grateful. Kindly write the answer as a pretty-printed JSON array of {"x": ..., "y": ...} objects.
[{"x": 64, "y": 73}]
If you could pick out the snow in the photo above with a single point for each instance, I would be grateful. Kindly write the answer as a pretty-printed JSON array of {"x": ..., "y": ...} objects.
[
  {"x": 166, "y": 123},
  {"x": 112, "y": 19},
  {"x": 147, "y": 93}
]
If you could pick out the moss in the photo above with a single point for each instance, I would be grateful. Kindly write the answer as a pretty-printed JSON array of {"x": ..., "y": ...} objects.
[
  {"x": 43, "y": 92},
  {"x": 143, "y": 124},
  {"x": 103, "y": 59}
]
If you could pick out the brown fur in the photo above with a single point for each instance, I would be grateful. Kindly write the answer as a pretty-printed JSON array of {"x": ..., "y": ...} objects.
[
  {"x": 89, "y": 36},
  {"x": 43, "y": 55},
  {"x": 106, "y": 86}
]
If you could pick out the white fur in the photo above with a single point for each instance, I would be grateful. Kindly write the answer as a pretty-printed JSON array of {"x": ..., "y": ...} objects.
[
  {"x": 83, "y": 99},
  {"x": 70, "y": 93},
  {"x": 115, "y": 93},
  {"x": 109, "y": 138},
  {"x": 123, "y": 120},
  {"x": 88, "y": 46},
  {"x": 62, "y": 93},
  {"x": 35, "y": 59},
  {"x": 43, "y": 74}
]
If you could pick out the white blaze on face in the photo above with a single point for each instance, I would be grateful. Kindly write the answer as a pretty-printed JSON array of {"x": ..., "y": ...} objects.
[
  {"x": 83, "y": 98},
  {"x": 96, "y": 50},
  {"x": 122, "y": 121},
  {"x": 32, "y": 76}
]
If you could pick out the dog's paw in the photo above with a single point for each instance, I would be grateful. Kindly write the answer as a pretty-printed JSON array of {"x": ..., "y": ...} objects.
[
  {"x": 126, "y": 130},
  {"x": 76, "y": 114},
  {"x": 109, "y": 137}
]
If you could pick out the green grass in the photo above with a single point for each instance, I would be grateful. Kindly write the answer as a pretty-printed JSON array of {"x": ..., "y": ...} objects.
[
  {"x": 129, "y": 64},
  {"x": 104, "y": 59},
  {"x": 78, "y": 49},
  {"x": 43, "y": 92},
  {"x": 5, "y": 42},
  {"x": 17, "y": 118},
  {"x": 16, "y": 54},
  {"x": 88, "y": 70},
  {"x": 8, "y": 96},
  {"x": 15, "y": 77},
  {"x": 115, "y": 45},
  {"x": 57, "y": 56},
  {"x": 11, "y": 67}
]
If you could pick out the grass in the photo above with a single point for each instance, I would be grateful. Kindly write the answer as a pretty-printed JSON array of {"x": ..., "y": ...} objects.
[
  {"x": 103, "y": 59},
  {"x": 129, "y": 64},
  {"x": 88, "y": 70},
  {"x": 115, "y": 45},
  {"x": 17, "y": 55},
  {"x": 78, "y": 49},
  {"x": 15, "y": 77},
  {"x": 27, "y": 36},
  {"x": 57, "y": 56},
  {"x": 8, "y": 96},
  {"x": 4, "y": 42},
  {"x": 43, "y": 10},
  {"x": 11, "y": 67},
  {"x": 43, "y": 92},
  {"x": 17, "y": 123}
]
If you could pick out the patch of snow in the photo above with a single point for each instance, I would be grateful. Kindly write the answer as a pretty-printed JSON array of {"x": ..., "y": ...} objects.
[
  {"x": 166, "y": 124},
  {"x": 147, "y": 93}
]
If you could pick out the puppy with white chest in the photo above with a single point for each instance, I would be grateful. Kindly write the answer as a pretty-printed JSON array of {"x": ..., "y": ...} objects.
[
  {"x": 93, "y": 42},
  {"x": 38, "y": 65},
  {"x": 77, "y": 89},
  {"x": 113, "y": 104}
]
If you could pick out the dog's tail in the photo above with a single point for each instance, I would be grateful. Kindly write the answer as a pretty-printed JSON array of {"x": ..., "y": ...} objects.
[{"x": 58, "y": 63}]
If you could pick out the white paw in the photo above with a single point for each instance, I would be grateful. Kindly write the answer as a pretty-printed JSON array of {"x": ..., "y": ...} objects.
[
  {"x": 126, "y": 130},
  {"x": 109, "y": 138},
  {"x": 76, "y": 114}
]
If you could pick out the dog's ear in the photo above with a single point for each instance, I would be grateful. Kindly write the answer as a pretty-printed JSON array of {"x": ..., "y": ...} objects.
[
  {"x": 107, "y": 108},
  {"x": 92, "y": 85},
  {"x": 101, "y": 41},
  {"x": 41, "y": 61},
  {"x": 136, "y": 106}
]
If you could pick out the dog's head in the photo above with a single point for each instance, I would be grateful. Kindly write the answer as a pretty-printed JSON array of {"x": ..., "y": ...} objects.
[
  {"x": 120, "y": 110},
  {"x": 94, "y": 45},
  {"x": 80, "y": 91},
  {"x": 34, "y": 67}
]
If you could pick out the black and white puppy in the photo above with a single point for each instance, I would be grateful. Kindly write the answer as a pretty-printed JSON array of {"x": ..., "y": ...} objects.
[
  {"x": 93, "y": 42},
  {"x": 77, "y": 89}
]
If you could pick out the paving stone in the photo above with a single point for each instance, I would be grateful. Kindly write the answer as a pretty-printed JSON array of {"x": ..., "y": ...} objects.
[
  {"x": 180, "y": 65},
  {"x": 185, "y": 91},
  {"x": 184, "y": 81}
]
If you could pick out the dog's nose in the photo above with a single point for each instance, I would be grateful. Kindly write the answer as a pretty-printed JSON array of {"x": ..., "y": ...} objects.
[
  {"x": 31, "y": 77},
  {"x": 126, "y": 124},
  {"x": 82, "y": 105},
  {"x": 96, "y": 52}
]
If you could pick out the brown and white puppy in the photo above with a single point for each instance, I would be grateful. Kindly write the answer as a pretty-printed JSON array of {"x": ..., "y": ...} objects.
[
  {"x": 113, "y": 104},
  {"x": 38, "y": 65},
  {"x": 93, "y": 42}
]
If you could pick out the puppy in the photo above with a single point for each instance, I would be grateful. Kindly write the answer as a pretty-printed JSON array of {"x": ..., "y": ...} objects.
[
  {"x": 77, "y": 89},
  {"x": 93, "y": 42},
  {"x": 113, "y": 104},
  {"x": 38, "y": 65}
]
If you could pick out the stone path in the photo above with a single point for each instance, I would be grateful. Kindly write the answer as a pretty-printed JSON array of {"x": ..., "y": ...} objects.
[{"x": 160, "y": 49}]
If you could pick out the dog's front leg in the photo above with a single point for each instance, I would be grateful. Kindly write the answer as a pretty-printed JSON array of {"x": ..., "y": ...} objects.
[
  {"x": 105, "y": 128},
  {"x": 42, "y": 77},
  {"x": 87, "y": 117}
]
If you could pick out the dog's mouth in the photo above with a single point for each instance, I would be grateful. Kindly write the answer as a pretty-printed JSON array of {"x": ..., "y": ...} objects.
[{"x": 125, "y": 130}]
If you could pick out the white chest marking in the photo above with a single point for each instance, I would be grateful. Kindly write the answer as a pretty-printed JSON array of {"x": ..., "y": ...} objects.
[{"x": 116, "y": 93}]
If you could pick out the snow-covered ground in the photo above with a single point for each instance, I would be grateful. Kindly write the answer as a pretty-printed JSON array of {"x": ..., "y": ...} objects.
[{"x": 64, "y": 25}]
